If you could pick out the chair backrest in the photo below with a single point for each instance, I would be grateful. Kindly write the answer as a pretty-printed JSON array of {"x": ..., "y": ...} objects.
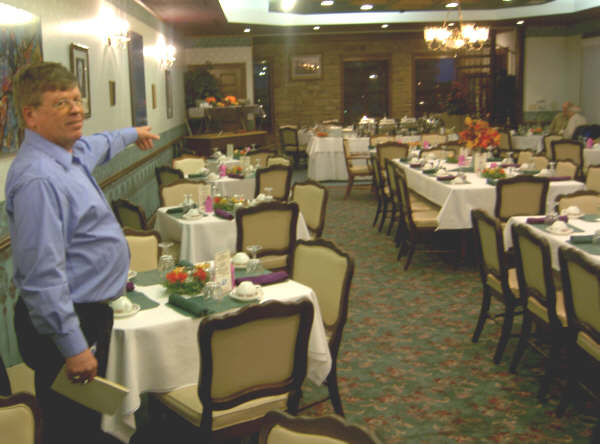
[
  {"x": 260, "y": 350},
  {"x": 278, "y": 177},
  {"x": 535, "y": 275},
  {"x": 592, "y": 178},
  {"x": 525, "y": 156},
  {"x": 288, "y": 137},
  {"x": 391, "y": 170},
  {"x": 5, "y": 389},
  {"x": 505, "y": 140},
  {"x": 323, "y": 266},
  {"x": 547, "y": 144},
  {"x": 379, "y": 181},
  {"x": 259, "y": 156},
  {"x": 282, "y": 428},
  {"x": 166, "y": 175},
  {"x": 489, "y": 246},
  {"x": 143, "y": 247},
  {"x": 173, "y": 194},
  {"x": 400, "y": 188},
  {"x": 588, "y": 201},
  {"x": 540, "y": 162},
  {"x": 566, "y": 168},
  {"x": 581, "y": 288},
  {"x": 434, "y": 139},
  {"x": 278, "y": 160},
  {"x": 564, "y": 149},
  {"x": 390, "y": 150},
  {"x": 520, "y": 196},
  {"x": 20, "y": 419},
  {"x": 128, "y": 214},
  {"x": 272, "y": 225},
  {"x": 189, "y": 164},
  {"x": 311, "y": 198}
]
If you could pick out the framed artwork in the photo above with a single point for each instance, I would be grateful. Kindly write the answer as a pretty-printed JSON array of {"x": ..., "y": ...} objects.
[
  {"x": 80, "y": 66},
  {"x": 137, "y": 79},
  {"x": 112, "y": 92},
  {"x": 169, "y": 90},
  {"x": 153, "y": 96},
  {"x": 306, "y": 67}
]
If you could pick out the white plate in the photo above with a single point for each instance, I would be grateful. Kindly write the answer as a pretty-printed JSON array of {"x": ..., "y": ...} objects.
[
  {"x": 255, "y": 297},
  {"x": 131, "y": 274},
  {"x": 240, "y": 266},
  {"x": 134, "y": 309},
  {"x": 192, "y": 217},
  {"x": 560, "y": 233}
]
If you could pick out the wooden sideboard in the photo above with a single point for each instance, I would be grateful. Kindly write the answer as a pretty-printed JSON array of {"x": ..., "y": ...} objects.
[{"x": 203, "y": 144}]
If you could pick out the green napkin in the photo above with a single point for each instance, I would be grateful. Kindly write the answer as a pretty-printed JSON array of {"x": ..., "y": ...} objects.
[
  {"x": 141, "y": 299},
  {"x": 430, "y": 171},
  {"x": 494, "y": 159},
  {"x": 544, "y": 227},
  {"x": 242, "y": 273},
  {"x": 588, "y": 248},
  {"x": 528, "y": 172},
  {"x": 590, "y": 217},
  {"x": 466, "y": 169},
  {"x": 198, "y": 306},
  {"x": 581, "y": 239},
  {"x": 151, "y": 277},
  {"x": 452, "y": 160},
  {"x": 175, "y": 210},
  {"x": 491, "y": 181},
  {"x": 198, "y": 176}
]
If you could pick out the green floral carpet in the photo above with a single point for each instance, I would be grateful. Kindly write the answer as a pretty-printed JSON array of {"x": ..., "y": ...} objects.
[{"x": 407, "y": 368}]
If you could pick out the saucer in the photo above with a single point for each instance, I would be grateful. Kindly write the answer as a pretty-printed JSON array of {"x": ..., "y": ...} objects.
[
  {"x": 192, "y": 216},
  {"x": 254, "y": 297},
  {"x": 134, "y": 309},
  {"x": 560, "y": 233}
]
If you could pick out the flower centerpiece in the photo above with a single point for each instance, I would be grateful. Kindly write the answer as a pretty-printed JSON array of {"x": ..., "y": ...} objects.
[
  {"x": 230, "y": 100},
  {"x": 493, "y": 172},
  {"x": 240, "y": 152},
  {"x": 479, "y": 135},
  {"x": 235, "y": 171},
  {"x": 187, "y": 280},
  {"x": 223, "y": 203},
  {"x": 211, "y": 100}
]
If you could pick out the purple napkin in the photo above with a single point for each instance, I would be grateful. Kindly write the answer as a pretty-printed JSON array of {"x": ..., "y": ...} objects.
[
  {"x": 223, "y": 214},
  {"x": 265, "y": 279},
  {"x": 542, "y": 219},
  {"x": 444, "y": 178},
  {"x": 559, "y": 178},
  {"x": 235, "y": 176}
]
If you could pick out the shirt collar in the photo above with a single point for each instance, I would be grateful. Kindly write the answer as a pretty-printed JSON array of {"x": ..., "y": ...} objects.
[{"x": 36, "y": 142}]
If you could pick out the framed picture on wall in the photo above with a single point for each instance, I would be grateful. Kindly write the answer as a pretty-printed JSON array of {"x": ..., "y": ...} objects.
[
  {"x": 306, "y": 67},
  {"x": 137, "y": 79},
  {"x": 80, "y": 66},
  {"x": 169, "y": 89}
]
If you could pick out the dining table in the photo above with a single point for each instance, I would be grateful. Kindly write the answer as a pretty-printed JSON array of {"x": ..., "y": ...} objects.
[
  {"x": 202, "y": 237},
  {"x": 326, "y": 160},
  {"x": 457, "y": 200},
  {"x": 156, "y": 349}
]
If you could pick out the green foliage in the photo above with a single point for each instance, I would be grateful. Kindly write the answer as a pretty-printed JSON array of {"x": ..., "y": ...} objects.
[{"x": 199, "y": 84}]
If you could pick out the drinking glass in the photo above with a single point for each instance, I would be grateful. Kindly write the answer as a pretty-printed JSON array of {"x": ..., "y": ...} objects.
[
  {"x": 596, "y": 237},
  {"x": 253, "y": 263},
  {"x": 166, "y": 262}
]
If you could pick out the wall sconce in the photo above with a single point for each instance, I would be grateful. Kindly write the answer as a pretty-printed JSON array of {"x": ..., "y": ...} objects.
[
  {"x": 164, "y": 54},
  {"x": 167, "y": 58},
  {"x": 115, "y": 28}
]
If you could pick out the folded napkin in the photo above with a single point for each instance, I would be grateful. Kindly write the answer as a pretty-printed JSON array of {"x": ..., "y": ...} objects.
[
  {"x": 542, "y": 219},
  {"x": 142, "y": 300},
  {"x": 175, "y": 210},
  {"x": 223, "y": 214},
  {"x": 151, "y": 277},
  {"x": 415, "y": 165},
  {"x": 197, "y": 176},
  {"x": 200, "y": 306},
  {"x": 466, "y": 169},
  {"x": 452, "y": 160},
  {"x": 235, "y": 176},
  {"x": 559, "y": 178},
  {"x": 590, "y": 217},
  {"x": 494, "y": 159},
  {"x": 429, "y": 171},
  {"x": 581, "y": 238},
  {"x": 444, "y": 178},
  {"x": 265, "y": 279}
]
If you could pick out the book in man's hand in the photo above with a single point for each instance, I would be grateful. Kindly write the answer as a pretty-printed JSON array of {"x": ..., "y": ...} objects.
[{"x": 99, "y": 394}]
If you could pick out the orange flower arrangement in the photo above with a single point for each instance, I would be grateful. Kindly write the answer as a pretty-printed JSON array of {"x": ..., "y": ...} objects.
[
  {"x": 478, "y": 134},
  {"x": 211, "y": 100},
  {"x": 230, "y": 100},
  {"x": 191, "y": 280}
]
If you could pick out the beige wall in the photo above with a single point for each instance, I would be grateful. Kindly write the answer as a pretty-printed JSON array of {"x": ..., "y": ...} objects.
[{"x": 305, "y": 102}]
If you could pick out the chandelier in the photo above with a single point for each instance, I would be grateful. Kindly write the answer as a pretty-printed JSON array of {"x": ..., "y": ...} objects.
[{"x": 451, "y": 37}]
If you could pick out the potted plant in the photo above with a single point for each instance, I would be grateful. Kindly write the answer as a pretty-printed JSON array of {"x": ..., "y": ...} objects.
[
  {"x": 199, "y": 84},
  {"x": 456, "y": 107}
]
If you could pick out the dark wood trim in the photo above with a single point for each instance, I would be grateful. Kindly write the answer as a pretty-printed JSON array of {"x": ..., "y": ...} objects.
[
  {"x": 519, "y": 99},
  {"x": 4, "y": 243}
]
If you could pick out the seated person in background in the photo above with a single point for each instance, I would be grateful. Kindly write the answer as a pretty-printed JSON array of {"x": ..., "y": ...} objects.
[
  {"x": 575, "y": 119},
  {"x": 560, "y": 120}
]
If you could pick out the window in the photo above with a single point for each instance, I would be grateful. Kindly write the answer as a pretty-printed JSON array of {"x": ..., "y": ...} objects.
[{"x": 365, "y": 90}]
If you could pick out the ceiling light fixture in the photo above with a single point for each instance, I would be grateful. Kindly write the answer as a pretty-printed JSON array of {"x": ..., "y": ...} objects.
[
  {"x": 366, "y": 7},
  {"x": 316, "y": 28},
  {"x": 452, "y": 5},
  {"x": 327, "y": 3},
  {"x": 466, "y": 36},
  {"x": 385, "y": 26},
  {"x": 287, "y": 5},
  {"x": 247, "y": 30},
  {"x": 520, "y": 22}
]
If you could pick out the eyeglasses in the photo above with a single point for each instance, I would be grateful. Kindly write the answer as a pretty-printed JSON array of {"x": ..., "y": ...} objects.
[{"x": 67, "y": 104}]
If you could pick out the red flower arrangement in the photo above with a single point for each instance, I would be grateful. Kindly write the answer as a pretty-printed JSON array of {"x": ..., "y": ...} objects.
[
  {"x": 190, "y": 280},
  {"x": 478, "y": 134},
  {"x": 211, "y": 100},
  {"x": 230, "y": 100}
]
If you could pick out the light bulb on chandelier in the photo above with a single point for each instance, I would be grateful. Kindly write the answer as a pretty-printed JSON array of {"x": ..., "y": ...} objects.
[{"x": 466, "y": 36}]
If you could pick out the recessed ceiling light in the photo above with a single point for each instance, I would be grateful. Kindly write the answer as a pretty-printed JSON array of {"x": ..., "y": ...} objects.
[
  {"x": 520, "y": 22},
  {"x": 287, "y": 5},
  {"x": 373, "y": 76},
  {"x": 327, "y": 2},
  {"x": 366, "y": 7},
  {"x": 247, "y": 30},
  {"x": 451, "y": 24},
  {"x": 507, "y": 1},
  {"x": 316, "y": 28},
  {"x": 385, "y": 26},
  {"x": 451, "y": 5}
]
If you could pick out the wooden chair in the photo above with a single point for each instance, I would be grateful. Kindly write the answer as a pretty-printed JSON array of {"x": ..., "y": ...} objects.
[
  {"x": 173, "y": 194},
  {"x": 498, "y": 280},
  {"x": 273, "y": 226},
  {"x": 390, "y": 150},
  {"x": 252, "y": 360},
  {"x": 259, "y": 157},
  {"x": 129, "y": 215},
  {"x": 353, "y": 170},
  {"x": 592, "y": 178},
  {"x": 166, "y": 175},
  {"x": 382, "y": 191},
  {"x": 143, "y": 247},
  {"x": 20, "y": 419},
  {"x": 572, "y": 150},
  {"x": 566, "y": 168},
  {"x": 278, "y": 160},
  {"x": 281, "y": 428},
  {"x": 324, "y": 267},
  {"x": 540, "y": 162},
  {"x": 525, "y": 156},
  {"x": 588, "y": 201},
  {"x": 189, "y": 164},
  {"x": 542, "y": 301},
  {"x": 277, "y": 177},
  {"x": 505, "y": 141},
  {"x": 311, "y": 198},
  {"x": 520, "y": 196},
  {"x": 288, "y": 139},
  {"x": 547, "y": 140},
  {"x": 581, "y": 287}
]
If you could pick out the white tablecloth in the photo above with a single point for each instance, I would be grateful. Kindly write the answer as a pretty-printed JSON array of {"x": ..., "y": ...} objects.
[
  {"x": 213, "y": 165},
  {"x": 457, "y": 201},
  {"x": 201, "y": 239},
  {"x": 326, "y": 156},
  {"x": 227, "y": 186},
  {"x": 156, "y": 350},
  {"x": 555, "y": 241},
  {"x": 534, "y": 142},
  {"x": 591, "y": 156}
]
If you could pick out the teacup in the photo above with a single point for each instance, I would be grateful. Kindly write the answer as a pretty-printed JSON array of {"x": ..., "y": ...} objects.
[
  {"x": 246, "y": 289},
  {"x": 122, "y": 305},
  {"x": 572, "y": 210},
  {"x": 559, "y": 226},
  {"x": 240, "y": 259}
]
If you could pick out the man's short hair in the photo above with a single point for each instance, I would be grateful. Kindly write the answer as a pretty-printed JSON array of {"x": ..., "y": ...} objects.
[{"x": 31, "y": 81}]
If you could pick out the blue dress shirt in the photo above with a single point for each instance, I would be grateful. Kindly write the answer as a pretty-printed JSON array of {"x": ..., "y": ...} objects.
[{"x": 66, "y": 243}]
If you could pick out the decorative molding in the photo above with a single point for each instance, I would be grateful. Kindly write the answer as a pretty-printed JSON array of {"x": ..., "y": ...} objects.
[{"x": 216, "y": 42}]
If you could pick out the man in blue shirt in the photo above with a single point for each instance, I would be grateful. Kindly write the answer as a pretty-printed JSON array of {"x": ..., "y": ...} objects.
[{"x": 69, "y": 254}]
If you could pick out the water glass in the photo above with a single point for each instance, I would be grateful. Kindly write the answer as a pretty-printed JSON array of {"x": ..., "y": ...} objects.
[
  {"x": 166, "y": 263},
  {"x": 212, "y": 290},
  {"x": 596, "y": 238}
]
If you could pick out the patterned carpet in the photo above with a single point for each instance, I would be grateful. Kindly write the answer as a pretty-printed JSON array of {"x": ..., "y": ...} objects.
[{"x": 407, "y": 368}]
